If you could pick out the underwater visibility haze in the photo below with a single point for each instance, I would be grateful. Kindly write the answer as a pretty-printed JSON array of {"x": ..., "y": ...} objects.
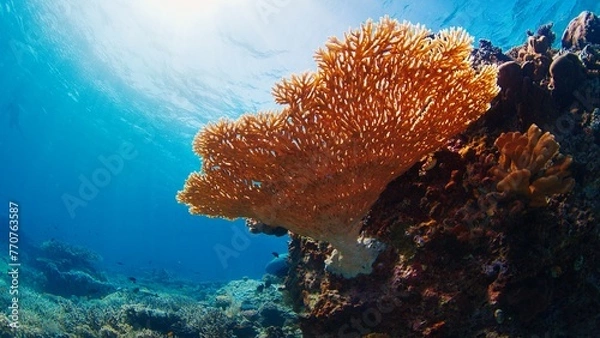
[{"x": 100, "y": 105}]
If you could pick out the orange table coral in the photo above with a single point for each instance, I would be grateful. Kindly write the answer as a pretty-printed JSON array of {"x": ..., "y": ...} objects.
[
  {"x": 525, "y": 166},
  {"x": 380, "y": 99}
]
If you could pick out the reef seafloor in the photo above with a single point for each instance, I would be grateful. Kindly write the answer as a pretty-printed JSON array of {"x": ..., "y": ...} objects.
[
  {"x": 495, "y": 234},
  {"x": 63, "y": 293}
]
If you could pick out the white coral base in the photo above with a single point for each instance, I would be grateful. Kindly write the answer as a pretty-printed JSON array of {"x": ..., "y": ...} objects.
[{"x": 349, "y": 259}]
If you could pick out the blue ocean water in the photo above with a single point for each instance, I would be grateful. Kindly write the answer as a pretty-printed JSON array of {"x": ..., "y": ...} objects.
[{"x": 101, "y": 99}]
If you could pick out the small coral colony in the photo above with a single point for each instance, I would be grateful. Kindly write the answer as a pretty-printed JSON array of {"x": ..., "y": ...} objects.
[{"x": 459, "y": 181}]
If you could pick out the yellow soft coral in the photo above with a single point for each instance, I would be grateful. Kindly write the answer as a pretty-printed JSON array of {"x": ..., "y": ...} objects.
[
  {"x": 381, "y": 98},
  {"x": 525, "y": 166}
]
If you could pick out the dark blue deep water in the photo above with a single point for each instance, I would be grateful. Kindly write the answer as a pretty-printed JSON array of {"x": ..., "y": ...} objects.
[{"x": 100, "y": 101}]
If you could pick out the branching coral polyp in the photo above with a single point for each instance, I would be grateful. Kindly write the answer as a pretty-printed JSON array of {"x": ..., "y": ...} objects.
[{"x": 380, "y": 99}]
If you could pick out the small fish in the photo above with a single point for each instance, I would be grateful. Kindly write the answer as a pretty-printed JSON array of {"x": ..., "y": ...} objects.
[
  {"x": 119, "y": 263},
  {"x": 275, "y": 254},
  {"x": 132, "y": 279}
]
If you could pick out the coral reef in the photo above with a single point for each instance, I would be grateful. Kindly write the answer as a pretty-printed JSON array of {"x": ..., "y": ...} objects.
[
  {"x": 139, "y": 316},
  {"x": 582, "y": 30},
  {"x": 69, "y": 257},
  {"x": 487, "y": 53},
  {"x": 381, "y": 99},
  {"x": 567, "y": 74},
  {"x": 493, "y": 234},
  {"x": 68, "y": 270},
  {"x": 590, "y": 56},
  {"x": 464, "y": 259},
  {"x": 536, "y": 54},
  {"x": 163, "y": 312},
  {"x": 524, "y": 166},
  {"x": 215, "y": 324},
  {"x": 520, "y": 95}
]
